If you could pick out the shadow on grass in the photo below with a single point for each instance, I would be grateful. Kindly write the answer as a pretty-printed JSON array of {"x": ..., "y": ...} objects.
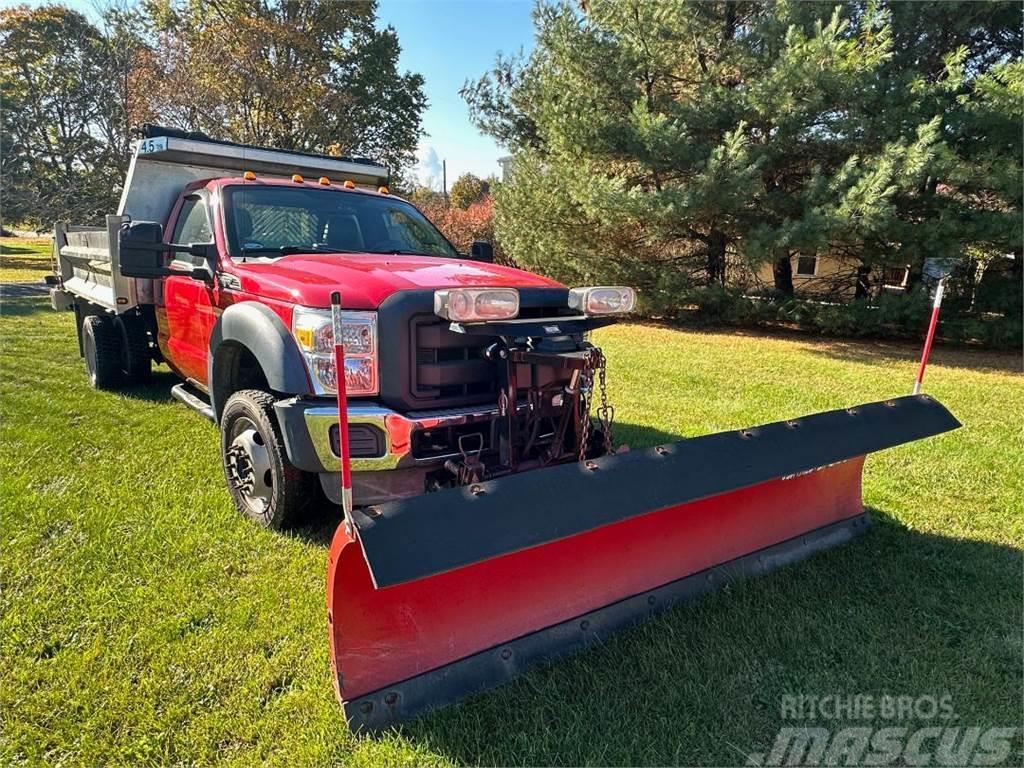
[
  {"x": 320, "y": 525},
  {"x": 21, "y": 248},
  {"x": 156, "y": 390},
  {"x": 883, "y": 352},
  {"x": 35, "y": 261},
  {"x": 895, "y": 612},
  {"x": 23, "y": 306}
]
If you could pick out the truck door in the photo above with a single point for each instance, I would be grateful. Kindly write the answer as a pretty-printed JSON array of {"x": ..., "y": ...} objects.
[{"x": 187, "y": 315}]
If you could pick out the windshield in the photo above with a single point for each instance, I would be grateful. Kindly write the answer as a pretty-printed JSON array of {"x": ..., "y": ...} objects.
[{"x": 271, "y": 221}]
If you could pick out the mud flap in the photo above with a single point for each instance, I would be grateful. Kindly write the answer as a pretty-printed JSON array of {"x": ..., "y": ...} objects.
[{"x": 438, "y": 596}]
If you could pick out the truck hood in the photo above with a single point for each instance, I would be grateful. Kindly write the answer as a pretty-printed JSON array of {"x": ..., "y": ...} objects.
[{"x": 366, "y": 279}]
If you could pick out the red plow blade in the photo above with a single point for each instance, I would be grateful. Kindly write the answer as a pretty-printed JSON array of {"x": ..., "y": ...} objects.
[{"x": 433, "y": 598}]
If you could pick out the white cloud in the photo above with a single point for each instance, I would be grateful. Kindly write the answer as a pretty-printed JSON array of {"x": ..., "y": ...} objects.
[{"x": 428, "y": 169}]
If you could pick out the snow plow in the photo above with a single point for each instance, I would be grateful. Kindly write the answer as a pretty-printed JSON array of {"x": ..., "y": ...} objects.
[{"x": 438, "y": 596}]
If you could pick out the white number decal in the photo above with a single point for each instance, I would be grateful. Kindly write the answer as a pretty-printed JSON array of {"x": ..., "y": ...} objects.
[{"x": 148, "y": 146}]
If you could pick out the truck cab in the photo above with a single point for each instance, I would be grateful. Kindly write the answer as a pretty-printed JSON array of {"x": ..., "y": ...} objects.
[{"x": 221, "y": 263}]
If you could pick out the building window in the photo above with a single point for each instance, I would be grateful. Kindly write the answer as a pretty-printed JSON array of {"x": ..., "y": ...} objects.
[
  {"x": 806, "y": 266},
  {"x": 895, "y": 277}
]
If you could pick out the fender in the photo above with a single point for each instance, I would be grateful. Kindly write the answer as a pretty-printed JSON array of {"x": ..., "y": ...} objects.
[{"x": 255, "y": 327}]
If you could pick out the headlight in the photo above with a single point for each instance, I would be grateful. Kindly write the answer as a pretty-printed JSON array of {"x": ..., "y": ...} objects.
[
  {"x": 602, "y": 300},
  {"x": 468, "y": 305},
  {"x": 312, "y": 330}
]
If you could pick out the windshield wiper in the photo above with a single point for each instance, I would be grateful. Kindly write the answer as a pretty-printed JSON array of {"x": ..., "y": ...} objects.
[
  {"x": 287, "y": 250},
  {"x": 402, "y": 252},
  {"x": 313, "y": 248}
]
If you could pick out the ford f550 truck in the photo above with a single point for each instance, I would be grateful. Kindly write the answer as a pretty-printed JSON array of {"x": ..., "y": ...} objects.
[
  {"x": 221, "y": 261},
  {"x": 495, "y": 526}
]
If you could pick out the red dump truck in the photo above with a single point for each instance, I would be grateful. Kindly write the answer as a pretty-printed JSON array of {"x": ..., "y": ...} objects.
[{"x": 494, "y": 524}]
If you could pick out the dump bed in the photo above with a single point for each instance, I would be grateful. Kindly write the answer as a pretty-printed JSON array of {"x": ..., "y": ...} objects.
[{"x": 87, "y": 260}]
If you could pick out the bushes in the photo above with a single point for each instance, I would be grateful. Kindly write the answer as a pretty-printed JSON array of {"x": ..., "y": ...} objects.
[
  {"x": 463, "y": 226},
  {"x": 671, "y": 294},
  {"x": 892, "y": 315}
]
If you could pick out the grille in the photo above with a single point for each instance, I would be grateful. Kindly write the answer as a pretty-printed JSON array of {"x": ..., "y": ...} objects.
[
  {"x": 449, "y": 365},
  {"x": 424, "y": 365}
]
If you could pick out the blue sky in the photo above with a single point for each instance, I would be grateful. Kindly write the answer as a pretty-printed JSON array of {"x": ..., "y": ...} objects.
[{"x": 448, "y": 42}]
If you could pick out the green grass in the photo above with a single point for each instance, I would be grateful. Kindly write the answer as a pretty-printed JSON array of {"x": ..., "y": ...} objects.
[
  {"x": 25, "y": 259},
  {"x": 143, "y": 622}
]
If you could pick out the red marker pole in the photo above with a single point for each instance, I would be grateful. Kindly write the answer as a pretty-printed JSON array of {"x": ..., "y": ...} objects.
[
  {"x": 339, "y": 375},
  {"x": 931, "y": 335}
]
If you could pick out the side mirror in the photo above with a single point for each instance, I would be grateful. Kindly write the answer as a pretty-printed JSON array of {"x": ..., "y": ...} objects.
[
  {"x": 481, "y": 250},
  {"x": 204, "y": 272},
  {"x": 141, "y": 253},
  {"x": 141, "y": 249}
]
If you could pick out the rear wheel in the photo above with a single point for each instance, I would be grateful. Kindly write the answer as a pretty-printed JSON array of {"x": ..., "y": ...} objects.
[
  {"x": 102, "y": 349},
  {"x": 136, "y": 362},
  {"x": 264, "y": 485}
]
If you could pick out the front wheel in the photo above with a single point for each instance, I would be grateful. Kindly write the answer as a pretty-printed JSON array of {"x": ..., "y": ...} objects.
[{"x": 263, "y": 483}]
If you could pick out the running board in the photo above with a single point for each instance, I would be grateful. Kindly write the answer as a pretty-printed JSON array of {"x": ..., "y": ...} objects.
[{"x": 194, "y": 400}]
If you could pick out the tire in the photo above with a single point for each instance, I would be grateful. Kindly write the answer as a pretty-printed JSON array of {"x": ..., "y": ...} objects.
[
  {"x": 263, "y": 483},
  {"x": 136, "y": 361},
  {"x": 102, "y": 350}
]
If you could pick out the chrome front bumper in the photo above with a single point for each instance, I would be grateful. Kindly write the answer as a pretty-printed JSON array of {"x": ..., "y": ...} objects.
[{"x": 397, "y": 428}]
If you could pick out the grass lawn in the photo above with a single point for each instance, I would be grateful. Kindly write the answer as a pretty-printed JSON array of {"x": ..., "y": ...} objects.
[
  {"x": 143, "y": 622},
  {"x": 25, "y": 259}
]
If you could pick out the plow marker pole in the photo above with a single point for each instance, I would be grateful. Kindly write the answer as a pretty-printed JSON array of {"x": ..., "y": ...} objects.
[
  {"x": 932, "y": 324},
  {"x": 339, "y": 375}
]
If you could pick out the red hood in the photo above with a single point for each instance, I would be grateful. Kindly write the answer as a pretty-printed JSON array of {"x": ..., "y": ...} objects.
[{"x": 366, "y": 279}]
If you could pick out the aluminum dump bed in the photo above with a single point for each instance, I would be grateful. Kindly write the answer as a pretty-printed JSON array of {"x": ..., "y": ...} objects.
[
  {"x": 163, "y": 165},
  {"x": 88, "y": 265}
]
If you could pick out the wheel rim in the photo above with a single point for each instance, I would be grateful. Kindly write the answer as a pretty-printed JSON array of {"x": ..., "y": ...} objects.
[
  {"x": 90, "y": 356},
  {"x": 249, "y": 468}
]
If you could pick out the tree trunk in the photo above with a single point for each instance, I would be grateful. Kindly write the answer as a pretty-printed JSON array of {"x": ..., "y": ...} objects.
[
  {"x": 782, "y": 271},
  {"x": 716, "y": 257},
  {"x": 863, "y": 289}
]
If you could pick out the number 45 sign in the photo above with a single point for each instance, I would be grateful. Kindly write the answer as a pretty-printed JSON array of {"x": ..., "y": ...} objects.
[{"x": 148, "y": 146}]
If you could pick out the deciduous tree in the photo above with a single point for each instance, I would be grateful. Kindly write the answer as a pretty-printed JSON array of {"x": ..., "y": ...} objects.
[
  {"x": 311, "y": 75},
  {"x": 463, "y": 225},
  {"x": 468, "y": 189},
  {"x": 62, "y": 122}
]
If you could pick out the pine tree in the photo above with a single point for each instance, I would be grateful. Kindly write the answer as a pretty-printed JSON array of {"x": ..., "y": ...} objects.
[{"x": 656, "y": 143}]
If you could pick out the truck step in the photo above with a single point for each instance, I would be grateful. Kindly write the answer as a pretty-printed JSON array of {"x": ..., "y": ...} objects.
[{"x": 194, "y": 400}]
